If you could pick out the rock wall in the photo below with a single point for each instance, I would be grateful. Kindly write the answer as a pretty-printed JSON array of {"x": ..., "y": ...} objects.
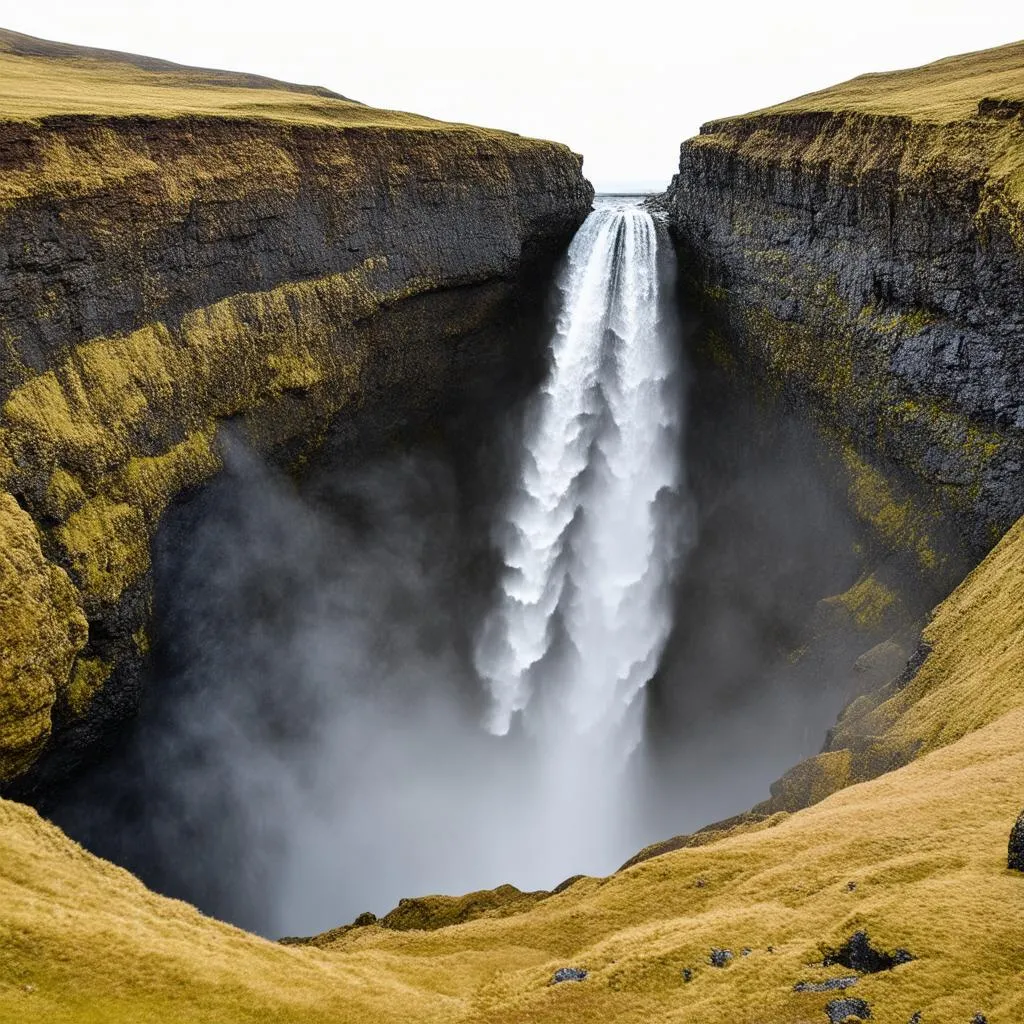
[
  {"x": 165, "y": 276},
  {"x": 861, "y": 251}
]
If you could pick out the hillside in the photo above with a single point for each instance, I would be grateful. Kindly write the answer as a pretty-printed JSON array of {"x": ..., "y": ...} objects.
[{"x": 924, "y": 848}]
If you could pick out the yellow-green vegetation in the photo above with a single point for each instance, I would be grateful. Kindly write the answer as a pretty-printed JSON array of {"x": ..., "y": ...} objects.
[
  {"x": 925, "y": 847},
  {"x": 867, "y": 602},
  {"x": 42, "y": 628},
  {"x": 98, "y": 416},
  {"x": 44, "y": 79},
  {"x": 87, "y": 679},
  {"x": 957, "y": 119},
  {"x": 900, "y": 523},
  {"x": 124, "y": 425}
]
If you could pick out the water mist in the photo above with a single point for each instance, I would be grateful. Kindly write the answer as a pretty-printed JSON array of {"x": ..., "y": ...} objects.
[{"x": 350, "y": 713}]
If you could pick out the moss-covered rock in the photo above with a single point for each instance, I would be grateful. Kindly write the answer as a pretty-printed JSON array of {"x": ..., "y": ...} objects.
[
  {"x": 185, "y": 250},
  {"x": 861, "y": 252}
]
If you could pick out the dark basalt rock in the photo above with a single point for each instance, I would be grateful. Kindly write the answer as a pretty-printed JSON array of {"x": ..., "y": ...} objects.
[
  {"x": 786, "y": 255},
  {"x": 1015, "y": 854},
  {"x": 841, "y": 1009},
  {"x": 720, "y": 957},
  {"x": 858, "y": 954},
  {"x": 568, "y": 974}
]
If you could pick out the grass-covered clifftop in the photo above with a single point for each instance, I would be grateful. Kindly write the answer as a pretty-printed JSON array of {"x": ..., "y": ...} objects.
[
  {"x": 187, "y": 248},
  {"x": 916, "y": 858},
  {"x": 863, "y": 248}
]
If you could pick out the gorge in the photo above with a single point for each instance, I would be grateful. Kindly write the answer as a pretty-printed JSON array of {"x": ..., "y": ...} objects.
[{"x": 381, "y": 514}]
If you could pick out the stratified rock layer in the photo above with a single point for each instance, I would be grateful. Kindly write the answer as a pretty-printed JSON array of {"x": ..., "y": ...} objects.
[
  {"x": 861, "y": 249},
  {"x": 290, "y": 264}
]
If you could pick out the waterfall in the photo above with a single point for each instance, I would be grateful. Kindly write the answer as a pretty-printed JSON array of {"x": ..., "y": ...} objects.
[{"x": 583, "y": 610}]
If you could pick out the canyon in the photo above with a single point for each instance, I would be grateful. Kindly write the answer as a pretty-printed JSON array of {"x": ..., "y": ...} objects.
[{"x": 199, "y": 263}]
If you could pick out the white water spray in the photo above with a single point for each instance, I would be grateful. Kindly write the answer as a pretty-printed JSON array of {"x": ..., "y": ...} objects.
[{"x": 583, "y": 612}]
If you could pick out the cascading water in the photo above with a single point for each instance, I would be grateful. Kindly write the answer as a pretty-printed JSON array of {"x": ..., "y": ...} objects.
[
  {"x": 317, "y": 725},
  {"x": 583, "y": 612}
]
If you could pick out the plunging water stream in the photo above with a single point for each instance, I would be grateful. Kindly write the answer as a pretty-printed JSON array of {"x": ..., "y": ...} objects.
[{"x": 583, "y": 609}]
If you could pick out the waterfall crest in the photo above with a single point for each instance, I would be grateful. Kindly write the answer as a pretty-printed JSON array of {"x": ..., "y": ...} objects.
[{"x": 583, "y": 610}]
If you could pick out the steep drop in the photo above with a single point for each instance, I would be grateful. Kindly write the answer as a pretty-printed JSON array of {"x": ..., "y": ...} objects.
[{"x": 583, "y": 611}]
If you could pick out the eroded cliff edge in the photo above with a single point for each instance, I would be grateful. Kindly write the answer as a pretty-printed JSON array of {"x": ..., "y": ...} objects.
[
  {"x": 183, "y": 250},
  {"x": 858, "y": 254},
  {"x": 863, "y": 249}
]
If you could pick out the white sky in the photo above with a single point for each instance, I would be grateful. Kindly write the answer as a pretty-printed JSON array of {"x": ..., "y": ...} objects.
[{"x": 623, "y": 85}]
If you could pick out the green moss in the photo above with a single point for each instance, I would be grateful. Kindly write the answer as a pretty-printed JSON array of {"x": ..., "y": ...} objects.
[
  {"x": 87, "y": 679},
  {"x": 900, "y": 524},
  {"x": 429, "y": 913},
  {"x": 42, "y": 628},
  {"x": 868, "y": 602}
]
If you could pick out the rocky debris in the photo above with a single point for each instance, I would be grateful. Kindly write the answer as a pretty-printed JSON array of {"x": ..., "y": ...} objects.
[
  {"x": 858, "y": 954},
  {"x": 979, "y": 1018},
  {"x": 840, "y": 1010},
  {"x": 831, "y": 985},
  {"x": 366, "y": 918},
  {"x": 851, "y": 886},
  {"x": 915, "y": 1018},
  {"x": 568, "y": 974},
  {"x": 687, "y": 974},
  {"x": 720, "y": 957},
  {"x": 700, "y": 883},
  {"x": 746, "y": 951},
  {"x": 1015, "y": 854}
]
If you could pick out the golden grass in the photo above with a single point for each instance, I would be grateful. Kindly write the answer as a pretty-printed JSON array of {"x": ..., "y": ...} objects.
[
  {"x": 925, "y": 846},
  {"x": 946, "y": 90},
  {"x": 938, "y": 126},
  {"x": 39, "y": 79}
]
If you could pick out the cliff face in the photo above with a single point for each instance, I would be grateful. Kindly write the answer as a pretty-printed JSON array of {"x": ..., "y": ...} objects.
[
  {"x": 862, "y": 249},
  {"x": 859, "y": 253},
  {"x": 182, "y": 252}
]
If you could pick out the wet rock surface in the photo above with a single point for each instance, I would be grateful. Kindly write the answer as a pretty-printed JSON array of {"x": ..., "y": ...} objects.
[{"x": 876, "y": 296}]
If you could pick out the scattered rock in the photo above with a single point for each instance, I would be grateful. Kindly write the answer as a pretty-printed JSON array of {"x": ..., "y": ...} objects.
[
  {"x": 851, "y": 886},
  {"x": 700, "y": 883},
  {"x": 746, "y": 951},
  {"x": 568, "y": 974},
  {"x": 858, "y": 954},
  {"x": 364, "y": 919},
  {"x": 839, "y": 1009},
  {"x": 915, "y": 1018},
  {"x": 771, "y": 949},
  {"x": 29, "y": 988},
  {"x": 720, "y": 957},
  {"x": 687, "y": 974},
  {"x": 832, "y": 985},
  {"x": 1015, "y": 855},
  {"x": 979, "y": 1018}
]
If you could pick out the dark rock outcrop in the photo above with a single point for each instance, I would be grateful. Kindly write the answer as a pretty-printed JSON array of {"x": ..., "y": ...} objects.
[
  {"x": 1015, "y": 852},
  {"x": 839, "y": 1010},
  {"x": 858, "y": 954},
  {"x": 869, "y": 266}
]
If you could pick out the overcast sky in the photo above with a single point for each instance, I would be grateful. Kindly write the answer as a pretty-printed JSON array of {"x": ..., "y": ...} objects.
[{"x": 622, "y": 88}]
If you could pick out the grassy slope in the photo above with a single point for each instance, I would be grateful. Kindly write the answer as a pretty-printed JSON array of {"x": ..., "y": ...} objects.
[
  {"x": 925, "y": 123},
  {"x": 51, "y": 80},
  {"x": 948, "y": 90},
  {"x": 926, "y": 845}
]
